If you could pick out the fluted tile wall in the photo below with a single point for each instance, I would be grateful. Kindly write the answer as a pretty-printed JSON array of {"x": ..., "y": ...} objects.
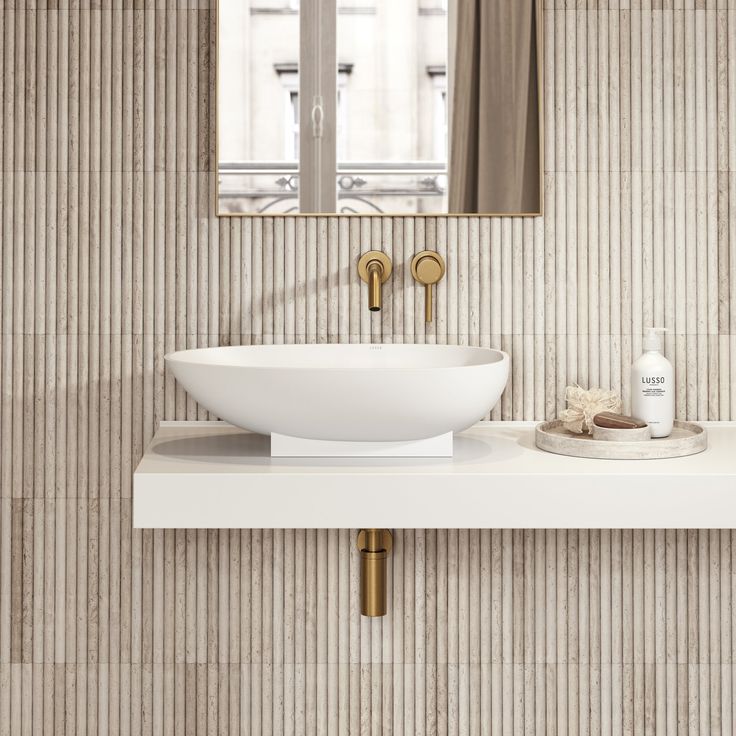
[
  {"x": 111, "y": 256},
  {"x": 258, "y": 632}
]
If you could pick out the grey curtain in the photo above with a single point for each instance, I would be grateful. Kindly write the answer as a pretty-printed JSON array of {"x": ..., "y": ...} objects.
[{"x": 495, "y": 149}]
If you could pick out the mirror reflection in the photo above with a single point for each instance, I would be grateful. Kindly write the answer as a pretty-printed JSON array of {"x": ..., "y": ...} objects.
[{"x": 378, "y": 107}]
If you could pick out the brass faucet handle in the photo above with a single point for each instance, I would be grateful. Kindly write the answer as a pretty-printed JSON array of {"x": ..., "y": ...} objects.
[{"x": 427, "y": 267}]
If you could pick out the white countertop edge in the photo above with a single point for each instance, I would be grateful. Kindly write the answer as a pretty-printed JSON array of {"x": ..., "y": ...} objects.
[
  {"x": 668, "y": 504},
  {"x": 420, "y": 497}
]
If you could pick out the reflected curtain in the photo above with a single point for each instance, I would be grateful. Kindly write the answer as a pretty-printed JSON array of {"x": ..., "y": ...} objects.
[{"x": 495, "y": 145}]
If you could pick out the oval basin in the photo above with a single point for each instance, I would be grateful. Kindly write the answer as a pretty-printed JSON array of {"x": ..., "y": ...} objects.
[{"x": 368, "y": 393}]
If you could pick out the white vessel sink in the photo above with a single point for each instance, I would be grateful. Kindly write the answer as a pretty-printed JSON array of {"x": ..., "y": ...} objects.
[{"x": 346, "y": 393}]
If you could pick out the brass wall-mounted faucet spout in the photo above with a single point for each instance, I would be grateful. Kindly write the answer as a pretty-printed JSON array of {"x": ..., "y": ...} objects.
[
  {"x": 374, "y": 267},
  {"x": 374, "y": 546}
]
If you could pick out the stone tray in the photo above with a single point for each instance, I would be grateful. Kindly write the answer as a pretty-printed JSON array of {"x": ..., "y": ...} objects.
[{"x": 687, "y": 438}]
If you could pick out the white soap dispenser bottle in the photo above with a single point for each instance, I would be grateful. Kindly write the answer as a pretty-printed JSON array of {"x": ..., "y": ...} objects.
[{"x": 653, "y": 386}]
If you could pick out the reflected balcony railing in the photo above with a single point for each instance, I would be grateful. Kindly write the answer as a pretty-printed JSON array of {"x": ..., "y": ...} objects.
[{"x": 372, "y": 187}]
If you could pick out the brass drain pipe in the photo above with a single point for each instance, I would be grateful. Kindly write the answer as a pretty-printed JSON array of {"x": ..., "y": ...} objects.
[{"x": 374, "y": 546}]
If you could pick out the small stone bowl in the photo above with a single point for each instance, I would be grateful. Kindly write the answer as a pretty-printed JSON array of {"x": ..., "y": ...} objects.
[{"x": 622, "y": 435}]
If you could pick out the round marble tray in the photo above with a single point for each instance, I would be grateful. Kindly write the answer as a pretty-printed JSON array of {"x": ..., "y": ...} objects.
[{"x": 687, "y": 438}]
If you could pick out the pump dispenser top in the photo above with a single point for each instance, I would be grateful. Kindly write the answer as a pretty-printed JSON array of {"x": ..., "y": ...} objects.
[{"x": 652, "y": 339}]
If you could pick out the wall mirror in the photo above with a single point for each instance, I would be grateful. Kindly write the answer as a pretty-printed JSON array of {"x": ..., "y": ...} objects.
[{"x": 379, "y": 107}]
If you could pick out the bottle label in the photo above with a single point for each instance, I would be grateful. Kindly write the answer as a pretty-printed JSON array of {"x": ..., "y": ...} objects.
[{"x": 653, "y": 386}]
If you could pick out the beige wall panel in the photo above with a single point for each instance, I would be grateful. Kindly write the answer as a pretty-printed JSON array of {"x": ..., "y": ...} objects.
[{"x": 110, "y": 256}]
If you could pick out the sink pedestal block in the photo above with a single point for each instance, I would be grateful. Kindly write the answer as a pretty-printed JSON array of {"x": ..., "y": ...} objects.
[{"x": 283, "y": 445}]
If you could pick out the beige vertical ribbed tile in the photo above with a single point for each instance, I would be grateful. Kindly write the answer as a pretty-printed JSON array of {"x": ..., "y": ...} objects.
[
  {"x": 408, "y": 636},
  {"x": 461, "y": 275},
  {"x": 441, "y": 308},
  {"x": 268, "y": 276},
  {"x": 629, "y": 207},
  {"x": 506, "y": 317},
  {"x": 559, "y": 279},
  {"x": 353, "y": 252},
  {"x": 614, "y": 287},
  {"x": 331, "y": 302},
  {"x": 332, "y": 624},
  {"x": 310, "y": 265},
  {"x": 413, "y": 304},
  {"x": 726, "y": 634},
  {"x": 327, "y": 273},
  {"x": 451, "y": 294},
  {"x": 515, "y": 343},
  {"x": 525, "y": 670},
  {"x": 550, "y": 653},
  {"x": 640, "y": 166},
  {"x": 321, "y": 644},
  {"x": 463, "y": 632}
]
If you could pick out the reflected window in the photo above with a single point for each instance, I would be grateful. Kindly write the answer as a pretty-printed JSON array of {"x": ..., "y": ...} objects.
[
  {"x": 381, "y": 141},
  {"x": 438, "y": 75},
  {"x": 289, "y": 78}
]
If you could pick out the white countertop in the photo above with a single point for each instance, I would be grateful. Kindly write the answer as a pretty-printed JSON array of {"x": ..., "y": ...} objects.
[{"x": 211, "y": 475}]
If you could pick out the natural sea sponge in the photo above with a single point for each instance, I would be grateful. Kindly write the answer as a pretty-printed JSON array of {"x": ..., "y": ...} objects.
[{"x": 583, "y": 405}]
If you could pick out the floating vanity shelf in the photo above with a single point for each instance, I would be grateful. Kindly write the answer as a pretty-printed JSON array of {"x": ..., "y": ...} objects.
[{"x": 211, "y": 475}]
